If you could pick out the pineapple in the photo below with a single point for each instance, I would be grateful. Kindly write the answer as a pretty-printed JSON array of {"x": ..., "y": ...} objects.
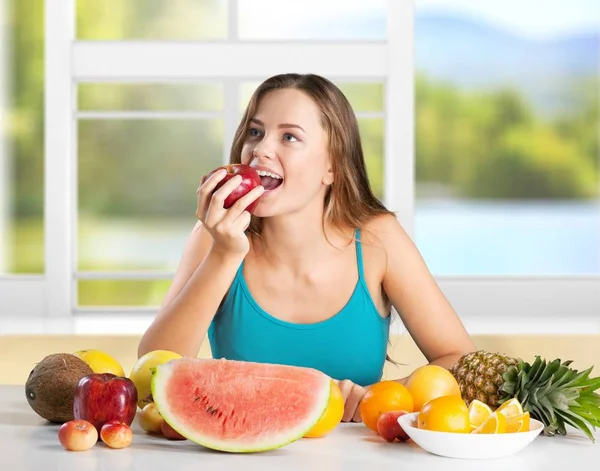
[{"x": 551, "y": 392}]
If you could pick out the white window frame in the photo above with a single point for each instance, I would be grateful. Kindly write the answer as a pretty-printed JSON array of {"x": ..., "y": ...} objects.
[{"x": 69, "y": 61}]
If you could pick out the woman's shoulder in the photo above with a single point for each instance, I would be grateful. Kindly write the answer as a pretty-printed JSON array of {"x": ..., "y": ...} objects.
[{"x": 382, "y": 230}]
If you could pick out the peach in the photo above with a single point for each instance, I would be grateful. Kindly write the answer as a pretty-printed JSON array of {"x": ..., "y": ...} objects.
[
  {"x": 116, "y": 434},
  {"x": 77, "y": 435}
]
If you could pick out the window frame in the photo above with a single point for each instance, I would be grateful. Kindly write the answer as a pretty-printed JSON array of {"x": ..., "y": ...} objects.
[{"x": 68, "y": 61}]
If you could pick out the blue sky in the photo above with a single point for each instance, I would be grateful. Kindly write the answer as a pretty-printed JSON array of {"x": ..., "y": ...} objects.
[
  {"x": 536, "y": 18},
  {"x": 533, "y": 18}
]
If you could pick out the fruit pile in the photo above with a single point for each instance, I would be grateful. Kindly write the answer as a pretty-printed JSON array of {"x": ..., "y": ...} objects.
[
  {"x": 435, "y": 394},
  {"x": 88, "y": 393}
]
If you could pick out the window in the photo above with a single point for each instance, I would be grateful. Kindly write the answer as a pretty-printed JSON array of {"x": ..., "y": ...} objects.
[
  {"x": 22, "y": 248},
  {"x": 507, "y": 137},
  {"x": 475, "y": 157}
]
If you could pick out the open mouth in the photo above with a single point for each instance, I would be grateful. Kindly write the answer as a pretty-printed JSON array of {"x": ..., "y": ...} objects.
[{"x": 269, "y": 180}]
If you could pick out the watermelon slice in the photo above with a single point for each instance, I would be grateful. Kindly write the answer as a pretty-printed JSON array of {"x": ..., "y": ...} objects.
[{"x": 239, "y": 406}]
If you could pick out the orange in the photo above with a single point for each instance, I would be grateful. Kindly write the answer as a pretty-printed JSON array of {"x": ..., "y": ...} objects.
[
  {"x": 332, "y": 416},
  {"x": 430, "y": 382},
  {"x": 383, "y": 397},
  {"x": 495, "y": 423},
  {"x": 445, "y": 414}
]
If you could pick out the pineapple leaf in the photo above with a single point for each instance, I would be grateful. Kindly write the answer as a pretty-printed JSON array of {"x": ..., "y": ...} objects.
[
  {"x": 561, "y": 399},
  {"x": 579, "y": 424},
  {"x": 590, "y": 399},
  {"x": 579, "y": 377},
  {"x": 536, "y": 369},
  {"x": 546, "y": 388},
  {"x": 592, "y": 384},
  {"x": 588, "y": 415},
  {"x": 561, "y": 427},
  {"x": 549, "y": 371},
  {"x": 547, "y": 405},
  {"x": 563, "y": 376}
]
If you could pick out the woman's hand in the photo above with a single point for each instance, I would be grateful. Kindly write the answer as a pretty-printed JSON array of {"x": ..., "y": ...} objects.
[
  {"x": 353, "y": 394},
  {"x": 226, "y": 226}
]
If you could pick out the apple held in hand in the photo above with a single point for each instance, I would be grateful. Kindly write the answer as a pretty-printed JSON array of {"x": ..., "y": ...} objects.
[
  {"x": 77, "y": 435},
  {"x": 250, "y": 180},
  {"x": 104, "y": 397}
]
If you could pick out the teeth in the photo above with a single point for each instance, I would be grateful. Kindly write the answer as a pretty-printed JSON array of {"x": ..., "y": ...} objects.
[{"x": 264, "y": 173}]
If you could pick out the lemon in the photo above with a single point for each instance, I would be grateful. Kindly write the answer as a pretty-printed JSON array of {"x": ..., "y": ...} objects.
[
  {"x": 141, "y": 374},
  {"x": 495, "y": 423},
  {"x": 332, "y": 416},
  {"x": 478, "y": 413},
  {"x": 100, "y": 362}
]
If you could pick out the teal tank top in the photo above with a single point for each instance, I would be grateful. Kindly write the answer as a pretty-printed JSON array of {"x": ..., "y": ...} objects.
[{"x": 350, "y": 345}]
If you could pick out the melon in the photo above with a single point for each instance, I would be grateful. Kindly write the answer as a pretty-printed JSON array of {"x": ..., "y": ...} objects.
[{"x": 239, "y": 406}]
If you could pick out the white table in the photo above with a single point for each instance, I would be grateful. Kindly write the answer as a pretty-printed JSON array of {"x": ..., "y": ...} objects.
[{"x": 29, "y": 443}]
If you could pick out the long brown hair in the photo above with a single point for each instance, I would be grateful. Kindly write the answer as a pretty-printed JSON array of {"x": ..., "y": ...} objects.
[{"x": 349, "y": 201}]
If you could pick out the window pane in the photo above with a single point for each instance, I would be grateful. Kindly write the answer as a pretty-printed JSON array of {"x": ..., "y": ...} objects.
[
  {"x": 151, "y": 19},
  {"x": 21, "y": 136},
  {"x": 363, "y": 96},
  {"x": 507, "y": 137},
  {"x": 371, "y": 134},
  {"x": 117, "y": 293},
  {"x": 137, "y": 189},
  {"x": 150, "y": 96},
  {"x": 313, "y": 19}
]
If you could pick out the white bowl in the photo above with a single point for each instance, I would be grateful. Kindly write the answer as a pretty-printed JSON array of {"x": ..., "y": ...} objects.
[{"x": 469, "y": 445}]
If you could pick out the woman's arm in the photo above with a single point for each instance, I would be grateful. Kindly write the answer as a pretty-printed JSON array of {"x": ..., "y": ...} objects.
[
  {"x": 200, "y": 283},
  {"x": 413, "y": 291}
]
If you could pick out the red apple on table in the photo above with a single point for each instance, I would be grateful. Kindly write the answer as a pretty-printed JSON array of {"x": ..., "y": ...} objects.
[
  {"x": 250, "y": 180},
  {"x": 116, "y": 434},
  {"x": 170, "y": 433},
  {"x": 389, "y": 428},
  {"x": 77, "y": 435},
  {"x": 104, "y": 397}
]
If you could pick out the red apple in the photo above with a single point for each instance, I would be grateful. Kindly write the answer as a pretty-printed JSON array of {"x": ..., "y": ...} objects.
[
  {"x": 116, "y": 434},
  {"x": 77, "y": 435},
  {"x": 389, "y": 428},
  {"x": 150, "y": 419},
  {"x": 250, "y": 180},
  {"x": 170, "y": 432},
  {"x": 103, "y": 397}
]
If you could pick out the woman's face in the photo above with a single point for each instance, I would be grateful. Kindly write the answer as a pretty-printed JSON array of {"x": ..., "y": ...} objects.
[{"x": 288, "y": 146}]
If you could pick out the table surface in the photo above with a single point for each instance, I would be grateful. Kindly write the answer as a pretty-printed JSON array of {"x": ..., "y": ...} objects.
[{"x": 28, "y": 442}]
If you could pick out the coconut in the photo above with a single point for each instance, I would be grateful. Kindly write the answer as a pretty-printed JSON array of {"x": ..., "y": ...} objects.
[{"x": 50, "y": 387}]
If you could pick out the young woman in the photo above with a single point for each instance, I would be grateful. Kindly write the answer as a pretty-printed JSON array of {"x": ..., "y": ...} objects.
[{"x": 311, "y": 277}]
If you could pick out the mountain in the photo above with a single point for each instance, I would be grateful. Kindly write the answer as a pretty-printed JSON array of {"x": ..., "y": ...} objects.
[{"x": 473, "y": 54}]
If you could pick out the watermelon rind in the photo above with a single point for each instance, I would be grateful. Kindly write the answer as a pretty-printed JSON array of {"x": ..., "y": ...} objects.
[{"x": 160, "y": 378}]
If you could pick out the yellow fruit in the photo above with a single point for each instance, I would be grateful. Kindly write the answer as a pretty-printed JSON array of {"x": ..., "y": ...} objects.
[
  {"x": 495, "y": 423},
  {"x": 518, "y": 423},
  {"x": 478, "y": 413},
  {"x": 430, "y": 382},
  {"x": 510, "y": 408},
  {"x": 445, "y": 414},
  {"x": 332, "y": 416},
  {"x": 100, "y": 362},
  {"x": 150, "y": 419},
  {"x": 383, "y": 397},
  {"x": 141, "y": 374}
]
